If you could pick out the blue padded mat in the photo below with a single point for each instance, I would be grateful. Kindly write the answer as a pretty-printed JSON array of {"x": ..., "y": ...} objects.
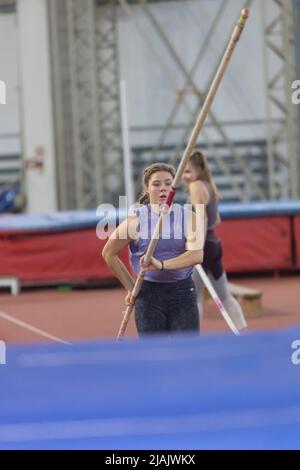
[{"x": 207, "y": 392}]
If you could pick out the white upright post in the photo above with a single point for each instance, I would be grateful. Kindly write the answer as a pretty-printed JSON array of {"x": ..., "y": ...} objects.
[
  {"x": 36, "y": 106},
  {"x": 127, "y": 160}
]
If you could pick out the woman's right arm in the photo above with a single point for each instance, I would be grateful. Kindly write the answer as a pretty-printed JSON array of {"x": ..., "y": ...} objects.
[
  {"x": 199, "y": 197},
  {"x": 117, "y": 241},
  {"x": 198, "y": 193}
]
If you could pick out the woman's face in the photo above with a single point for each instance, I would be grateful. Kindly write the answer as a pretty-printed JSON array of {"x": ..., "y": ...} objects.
[
  {"x": 190, "y": 174},
  {"x": 158, "y": 187}
]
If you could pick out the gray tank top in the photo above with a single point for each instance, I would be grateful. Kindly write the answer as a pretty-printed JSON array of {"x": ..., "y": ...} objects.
[{"x": 171, "y": 243}]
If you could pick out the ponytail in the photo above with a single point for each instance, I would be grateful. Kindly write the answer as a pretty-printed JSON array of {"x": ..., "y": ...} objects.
[
  {"x": 143, "y": 198},
  {"x": 199, "y": 161}
]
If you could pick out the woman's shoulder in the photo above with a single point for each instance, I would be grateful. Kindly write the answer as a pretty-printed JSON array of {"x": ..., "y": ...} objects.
[
  {"x": 199, "y": 192},
  {"x": 131, "y": 227},
  {"x": 141, "y": 209},
  {"x": 181, "y": 209},
  {"x": 128, "y": 222}
]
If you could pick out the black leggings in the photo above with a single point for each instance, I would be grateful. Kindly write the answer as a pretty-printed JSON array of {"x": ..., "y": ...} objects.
[
  {"x": 212, "y": 260},
  {"x": 167, "y": 307}
]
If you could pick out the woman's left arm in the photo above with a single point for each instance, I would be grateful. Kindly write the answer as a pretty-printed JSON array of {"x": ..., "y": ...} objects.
[
  {"x": 194, "y": 249},
  {"x": 194, "y": 244}
]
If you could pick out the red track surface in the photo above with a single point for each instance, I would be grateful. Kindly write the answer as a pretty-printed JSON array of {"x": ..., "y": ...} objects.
[{"x": 97, "y": 313}]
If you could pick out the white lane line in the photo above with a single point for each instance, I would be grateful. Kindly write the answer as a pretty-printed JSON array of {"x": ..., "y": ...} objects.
[{"x": 32, "y": 328}]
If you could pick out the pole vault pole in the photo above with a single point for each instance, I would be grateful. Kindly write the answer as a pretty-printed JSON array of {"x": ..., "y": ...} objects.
[{"x": 190, "y": 146}]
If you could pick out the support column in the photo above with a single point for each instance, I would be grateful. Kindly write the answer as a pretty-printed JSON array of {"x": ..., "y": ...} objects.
[{"x": 38, "y": 146}]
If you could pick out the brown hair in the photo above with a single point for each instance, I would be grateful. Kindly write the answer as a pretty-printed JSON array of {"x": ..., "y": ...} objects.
[
  {"x": 199, "y": 161},
  {"x": 148, "y": 172}
]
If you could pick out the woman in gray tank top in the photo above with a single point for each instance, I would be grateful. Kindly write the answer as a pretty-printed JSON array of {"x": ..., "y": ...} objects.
[
  {"x": 167, "y": 301},
  {"x": 202, "y": 190}
]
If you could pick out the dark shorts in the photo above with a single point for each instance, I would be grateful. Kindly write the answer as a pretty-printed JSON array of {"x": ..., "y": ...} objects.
[
  {"x": 212, "y": 259},
  {"x": 167, "y": 307}
]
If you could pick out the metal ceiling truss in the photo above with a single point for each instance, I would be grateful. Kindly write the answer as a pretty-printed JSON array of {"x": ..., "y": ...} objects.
[
  {"x": 88, "y": 116},
  {"x": 281, "y": 51},
  {"x": 86, "y": 78},
  {"x": 239, "y": 156}
]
